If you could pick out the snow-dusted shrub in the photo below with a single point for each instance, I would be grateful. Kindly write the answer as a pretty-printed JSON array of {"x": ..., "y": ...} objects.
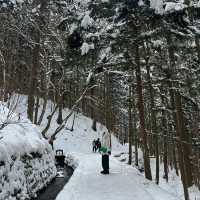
[
  {"x": 26, "y": 159},
  {"x": 24, "y": 176}
]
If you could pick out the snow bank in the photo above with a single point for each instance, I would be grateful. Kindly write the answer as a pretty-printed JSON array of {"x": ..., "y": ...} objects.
[
  {"x": 26, "y": 159},
  {"x": 194, "y": 192},
  {"x": 174, "y": 184},
  {"x": 71, "y": 161}
]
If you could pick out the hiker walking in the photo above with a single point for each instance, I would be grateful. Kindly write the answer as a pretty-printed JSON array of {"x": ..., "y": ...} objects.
[
  {"x": 106, "y": 151},
  {"x": 98, "y": 144},
  {"x": 94, "y": 148}
]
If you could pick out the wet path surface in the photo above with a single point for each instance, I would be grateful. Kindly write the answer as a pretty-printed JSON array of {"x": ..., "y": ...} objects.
[{"x": 55, "y": 186}]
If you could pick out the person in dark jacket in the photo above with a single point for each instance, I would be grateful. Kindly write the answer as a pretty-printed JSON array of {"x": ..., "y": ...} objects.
[
  {"x": 94, "y": 148},
  {"x": 98, "y": 144}
]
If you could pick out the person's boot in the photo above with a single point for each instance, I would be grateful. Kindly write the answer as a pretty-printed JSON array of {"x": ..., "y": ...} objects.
[{"x": 105, "y": 172}]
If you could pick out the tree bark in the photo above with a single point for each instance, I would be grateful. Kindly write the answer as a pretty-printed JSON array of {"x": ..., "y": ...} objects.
[
  {"x": 36, "y": 109},
  {"x": 178, "y": 118},
  {"x": 153, "y": 120},
  {"x": 143, "y": 133},
  {"x": 180, "y": 149},
  {"x": 60, "y": 108},
  {"x": 43, "y": 110},
  {"x": 49, "y": 121},
  {"x": 165, "y": 146},
  {"x": 130, "y": 126},
  {"x": 33, "y": 77},
  {"x": 36, "y": 59}
]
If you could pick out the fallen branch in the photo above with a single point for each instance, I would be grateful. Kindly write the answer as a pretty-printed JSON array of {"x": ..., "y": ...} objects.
[
  {"x": 59, "y": 128},
  {"x": 49, "y": 121}
]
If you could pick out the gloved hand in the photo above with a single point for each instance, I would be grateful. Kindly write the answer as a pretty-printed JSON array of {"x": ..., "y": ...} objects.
[{"x": 109, "y": 152}]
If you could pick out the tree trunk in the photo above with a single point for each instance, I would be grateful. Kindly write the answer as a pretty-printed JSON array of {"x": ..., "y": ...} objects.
[
  {"x": 60, "y": 108},
  {"x": 171, "y": 92},
  {"x": 94, "y": 125},
  {"x": 135, "y": 132},
  {"x": 33, "y": 76},
  {"x": 143, "y": 133},
  {"x": 153, "y": 120},
  {"x": 49, "y": 121},
  {"x": 165, "y": 146},
  {"x": 43, "y": 110},
  {"x": 180, "y": 149},
  {"x": 130, "y": 126},
  {"x": 178, "y": 116},
  {"x": 36, "y": 109},
  {"x": 36, "y": 58}
]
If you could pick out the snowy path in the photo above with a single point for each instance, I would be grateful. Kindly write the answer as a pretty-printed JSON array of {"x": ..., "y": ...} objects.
[{"x": 123, "y": 182}]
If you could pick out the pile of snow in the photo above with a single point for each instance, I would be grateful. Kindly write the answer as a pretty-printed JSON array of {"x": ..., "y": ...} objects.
[
  {"x": 86, "y": 47},
  {"x": 26, "y": 159},
  {"x": 140, "y": 3},
  {"x": 105, "y": 1},
  {"x": 10, "y": 4},
  {"x": 171, "y": 6},
  {"x": 19, "y": 136},
  {"x": 87, "y": 21},
  {"x": 194, "y": 192},
  {"x": 71, "y": 161},
  {"x": 157, "y": 5},
  {"x": 161, "y": 8},
  {"x": 105, "y": 54}
]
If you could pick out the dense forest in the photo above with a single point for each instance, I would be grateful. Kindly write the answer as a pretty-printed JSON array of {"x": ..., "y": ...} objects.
[{"x": 132, "y": 65}]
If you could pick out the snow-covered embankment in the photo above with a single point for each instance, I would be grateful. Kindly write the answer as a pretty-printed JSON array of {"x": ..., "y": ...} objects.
[{"x": 26, "y": 159}]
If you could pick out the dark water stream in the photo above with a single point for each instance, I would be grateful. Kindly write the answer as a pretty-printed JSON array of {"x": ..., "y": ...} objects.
[{"x": 52, "y": 190}]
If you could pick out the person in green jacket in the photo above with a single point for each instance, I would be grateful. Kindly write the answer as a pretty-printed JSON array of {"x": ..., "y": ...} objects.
[{"x": 105, "y": 151}]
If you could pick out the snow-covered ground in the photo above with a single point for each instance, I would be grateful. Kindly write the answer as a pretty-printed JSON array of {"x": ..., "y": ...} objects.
[
  {"x": 174, "y": 184},
  {"x": 124, "y": 182},
  {"x": 80, "y": 140}
]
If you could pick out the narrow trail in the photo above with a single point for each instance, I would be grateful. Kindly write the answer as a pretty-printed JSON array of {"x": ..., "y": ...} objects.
[
  {"x": 52, "y": 190},
  {"x": 123, "y": 182},
  {"x": 87, "y": 183}
]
